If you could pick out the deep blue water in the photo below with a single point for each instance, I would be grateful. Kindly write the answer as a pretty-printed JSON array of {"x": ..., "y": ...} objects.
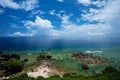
[
  {"x": 110, "y": 48},
  {"x": 32, "y": 43}
]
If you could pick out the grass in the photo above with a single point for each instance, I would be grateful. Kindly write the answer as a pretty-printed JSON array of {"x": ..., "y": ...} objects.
[{"x": 106, "y": 76}]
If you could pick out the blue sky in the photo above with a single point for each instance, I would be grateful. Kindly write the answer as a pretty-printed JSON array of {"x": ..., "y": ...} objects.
[{"x": 60, "y": 18}]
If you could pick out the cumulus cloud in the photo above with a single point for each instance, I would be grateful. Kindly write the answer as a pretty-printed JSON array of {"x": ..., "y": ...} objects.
[
  {"x": 107, "y": 23},
  {"x": 26, "y": 5},
  {"x": 39, "y": 22},
  {"x": 43, "y": 23},
  {"x": 84, "y": 2},
  {"x": 21, "y": 34},
  {"x": 43, "y": 27},
  {"x": 39, "y": 27},
  {"x": 87, "y": 30},
  {"x": 70, "y": 29},
  {"x": 109, "y": 14}
]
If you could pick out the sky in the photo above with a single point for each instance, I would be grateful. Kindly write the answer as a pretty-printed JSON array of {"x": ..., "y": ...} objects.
[{"x": 60, "y": 18}]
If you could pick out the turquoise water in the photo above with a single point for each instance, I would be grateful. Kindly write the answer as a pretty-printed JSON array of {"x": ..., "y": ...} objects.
[{"x": 61, "y": 48}]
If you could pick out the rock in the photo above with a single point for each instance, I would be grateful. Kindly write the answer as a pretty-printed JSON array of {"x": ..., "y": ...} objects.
[
  {"x": 84, "y": 66},
  {"x": 5, "y": 56},
  {"x": 48, "y": 57},
  {"x": 1, "y": 52},
  {"x": 25, "y": 60},
  {"x": 97, "y": 72}
]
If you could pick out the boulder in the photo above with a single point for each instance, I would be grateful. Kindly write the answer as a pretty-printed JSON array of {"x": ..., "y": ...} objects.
[{"x": 85, "y": 66}]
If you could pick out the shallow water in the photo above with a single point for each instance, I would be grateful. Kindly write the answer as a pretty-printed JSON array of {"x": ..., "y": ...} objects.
[{"x": 63, "y": 48}]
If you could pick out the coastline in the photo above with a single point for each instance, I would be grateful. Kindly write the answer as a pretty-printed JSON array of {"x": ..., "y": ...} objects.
[{"x": 64, "y": 63}]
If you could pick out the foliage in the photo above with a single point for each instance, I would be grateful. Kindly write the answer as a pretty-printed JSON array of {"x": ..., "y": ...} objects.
[
  {"x": 42, "y": 55},
  {"x": 109, "y": 69},
  {"x": 12, "y": 63},
  {"x": 15, "y": 56},
  {"x": 12, "y": 66},
  {"x": 106, "y": 76}
]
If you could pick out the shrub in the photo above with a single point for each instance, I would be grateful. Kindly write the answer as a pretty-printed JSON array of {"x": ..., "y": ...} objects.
[
  {"x": 12, "y": 66},
  {"x": 109, "y": 69},
  {"x": 15, "y": 56},
  {"x": 42, "y": 55}
]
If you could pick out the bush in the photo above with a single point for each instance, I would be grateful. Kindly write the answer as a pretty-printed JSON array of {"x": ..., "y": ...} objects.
[
  {"x": 15, "y": 56},
  {"x": 12, "y": 66},
  {"x": 109, "y": 69},
  {"x": 42, "y": 55}
]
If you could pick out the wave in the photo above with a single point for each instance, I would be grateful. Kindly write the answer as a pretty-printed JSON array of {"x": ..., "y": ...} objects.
[{"x": 93, "y": 51}]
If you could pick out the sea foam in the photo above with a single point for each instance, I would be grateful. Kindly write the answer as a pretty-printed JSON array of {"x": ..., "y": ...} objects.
[{"x": 93, "y": 51}]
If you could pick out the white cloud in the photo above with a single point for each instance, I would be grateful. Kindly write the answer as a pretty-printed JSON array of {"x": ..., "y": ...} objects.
[
  {"x": 43, "y": 23},
  {"x": 39, "y": 22},
  {"x": 65, "y": 19},
  {"x": 99, "y": 3},
  {"x": 26, "y": 5},
  {"x": 9, "y": 3},
  {"x": 40, "y": 27},
  {"x": 20, "y": 34},
  {"x": 58, "y": 14},
  {"x": 84, "y": 2},
  {"x": 43, "y": 27},
  {"x": 52, "y": 12},
  {"x": 109, "y": 14},
  {"x": 70, "y": 29},
  {"x": 29, "y": 4},
  {"x": 104, "y": 14},
  {"x": 107, "y": 17},
  {"x": 86, "y": 30},
  {"x": 28, "y": 24},
  {"x": 60, "y": 0},
  {"x": 13, "y": 25},
  {"x": 37, "y": 12}
]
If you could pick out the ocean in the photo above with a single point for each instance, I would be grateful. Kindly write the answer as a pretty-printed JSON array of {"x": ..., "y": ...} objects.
[
  {"x": 110, "y": 48},
  {"x": 33, "y": 43},
  {"x": 106, "y": 48}
]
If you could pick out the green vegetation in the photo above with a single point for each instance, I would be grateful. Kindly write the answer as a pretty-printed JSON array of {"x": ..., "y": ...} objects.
[
  {"x": 109, "y": 69},
  {"x": 15, "y": 56},
  {"x": 10, "y": 64},
  {"x": 114, "y": 75},
  {"x": 42, "y": 55}
]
